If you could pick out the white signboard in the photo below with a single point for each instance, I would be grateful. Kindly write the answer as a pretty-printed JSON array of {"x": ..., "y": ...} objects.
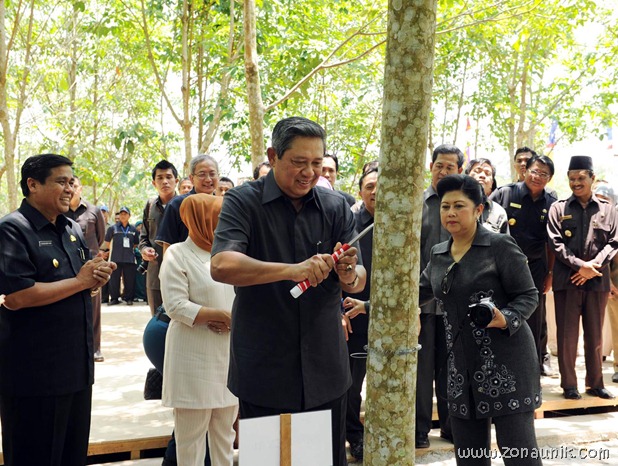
[{"x": 259, "y": 440}]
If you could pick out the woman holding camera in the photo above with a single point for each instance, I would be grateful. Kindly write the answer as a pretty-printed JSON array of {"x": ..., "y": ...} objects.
[{"x": 481, "y": 281}]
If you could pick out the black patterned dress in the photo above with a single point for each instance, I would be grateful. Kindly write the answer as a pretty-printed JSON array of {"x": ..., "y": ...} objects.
[{"x": 491, "y": 372}]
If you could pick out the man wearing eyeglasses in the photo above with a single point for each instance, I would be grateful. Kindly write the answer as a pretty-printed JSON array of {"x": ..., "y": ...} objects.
[
  {"x": 446, "y": 160},
  {"x": 205, "y": 178},
  {"x": 527, "y": 203}
]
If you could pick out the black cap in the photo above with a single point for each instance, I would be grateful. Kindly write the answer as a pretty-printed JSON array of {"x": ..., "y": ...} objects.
[
  {"x": 580, "y": 162},
  {"x": 125, "y": 209}
]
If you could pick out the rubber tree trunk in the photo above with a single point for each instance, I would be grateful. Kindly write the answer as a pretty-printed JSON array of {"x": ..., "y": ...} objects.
[{"x": 393, "y": 330}]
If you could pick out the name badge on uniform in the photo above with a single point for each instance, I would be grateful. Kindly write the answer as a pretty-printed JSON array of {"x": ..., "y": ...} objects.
[
  {"x": 513, "y": 204},
  {"x": 45, "y": 243},
  {"x": 126, "y": 242},
  {"x": 565, "y": 217}
]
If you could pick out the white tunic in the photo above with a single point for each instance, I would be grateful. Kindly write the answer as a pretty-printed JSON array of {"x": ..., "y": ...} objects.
[{"x": 196, "y": 358}]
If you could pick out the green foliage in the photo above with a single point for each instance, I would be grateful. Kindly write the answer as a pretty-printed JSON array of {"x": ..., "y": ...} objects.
[{"x": 91, "y": 91}]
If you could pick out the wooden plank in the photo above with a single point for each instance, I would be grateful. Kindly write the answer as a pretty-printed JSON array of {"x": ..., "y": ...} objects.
[
  {"x": 129, "y": 445},
  {"x": 285, "y": 446}
]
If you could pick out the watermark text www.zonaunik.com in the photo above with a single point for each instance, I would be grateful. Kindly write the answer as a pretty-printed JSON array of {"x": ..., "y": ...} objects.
[{"x": 563, "y": 452}]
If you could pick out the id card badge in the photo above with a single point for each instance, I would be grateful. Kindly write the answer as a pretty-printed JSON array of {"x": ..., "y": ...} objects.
[{"x": 126, "y": 242}]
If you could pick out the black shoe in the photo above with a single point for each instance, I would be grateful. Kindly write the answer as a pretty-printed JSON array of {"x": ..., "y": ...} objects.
[
  {"x": 113, "y": 302},
  {"x": 615, "y": 377},
  {"x": 447, "y": 436},
  {"x": 600, "y": 392},
  {"x": 167, "y": 462},
  {"x": 571, "y": 394},
  {"x": 356, "y": 449},
  {"x": 130, "y": 302},
  {"x": 422, "y": 440}
]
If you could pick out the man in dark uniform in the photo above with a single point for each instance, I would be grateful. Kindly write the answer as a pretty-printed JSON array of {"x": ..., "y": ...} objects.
[
  {"x": 446, "y": 160},
  {"x": 583, "y": 233},
  {"x": 123, "y": 238},
  {"x": 527, "y": 204},
  {"x": 164, "y": 179},
  {"x": 358, "y": 315},
  {"x": 288, "y": 355},
  {"x": 46, "y": 363},
  {"x": 92, "y": 223}
]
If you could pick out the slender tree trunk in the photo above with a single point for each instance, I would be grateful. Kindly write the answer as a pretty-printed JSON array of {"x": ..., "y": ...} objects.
[
  {"x": 254, "y": 89},
  {"x": 393, "y": 329},
  {"x": 186, "y": 75}
]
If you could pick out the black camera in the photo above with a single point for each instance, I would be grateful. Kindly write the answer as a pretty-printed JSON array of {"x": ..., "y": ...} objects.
[
  {"x": 482, "y": 313},
  {"x": 142, "y": 268}
]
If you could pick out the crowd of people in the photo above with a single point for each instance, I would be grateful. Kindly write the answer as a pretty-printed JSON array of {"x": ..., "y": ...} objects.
[{"x": 219, "y": 261}]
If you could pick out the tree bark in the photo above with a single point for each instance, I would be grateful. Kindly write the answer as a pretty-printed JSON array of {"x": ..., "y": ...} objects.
[
  {"x": 393, "y": 329},
  {"x": 254, "y": 90}
]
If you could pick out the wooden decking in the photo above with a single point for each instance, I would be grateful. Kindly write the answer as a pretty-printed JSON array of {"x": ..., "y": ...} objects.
[{"x": 122, "y": 421}]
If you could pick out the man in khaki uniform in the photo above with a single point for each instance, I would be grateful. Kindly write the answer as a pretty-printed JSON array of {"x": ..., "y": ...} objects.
[{"x": 583, "y": 233}]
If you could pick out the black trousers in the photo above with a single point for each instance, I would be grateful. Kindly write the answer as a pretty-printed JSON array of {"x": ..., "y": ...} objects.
[
  {"x": 514, "y": 433},
  {"x": 432, "y": 367},
  {"x": 337, "y": 408},
  {"x": 46, "y": 430},
  {"x": 127, "y": 271},
  {"x": 538, "y": 320},
  {"x": 354, "y": 426}
]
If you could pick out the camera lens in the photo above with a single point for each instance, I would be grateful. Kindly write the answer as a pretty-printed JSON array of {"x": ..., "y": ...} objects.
[{"x": 481, "y": 314}]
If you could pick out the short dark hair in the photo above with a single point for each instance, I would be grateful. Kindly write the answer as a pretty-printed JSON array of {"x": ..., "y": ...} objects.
[
  {"x": 164, "y": 165},
  {"x": 464, "y": 183},
  {"x": 226, "y": 179},
  {"x": 288, "y": 129},
  {"x": 334, "y": 157},
  {"x": 360, "y": 182},
  {"x": 543, "y": 160},
  {"x": 370, "y": 165},
  {"x": 481, "y": 161},
  {"x": 522, "y": 150},
  {"x": 39, "y": 167},
  {"x": 448, "y": 149},
  {"x": 256, "y": 172}
]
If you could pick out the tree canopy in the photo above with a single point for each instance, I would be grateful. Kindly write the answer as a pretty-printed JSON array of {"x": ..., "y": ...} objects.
[{"x": 117, "y": 85}]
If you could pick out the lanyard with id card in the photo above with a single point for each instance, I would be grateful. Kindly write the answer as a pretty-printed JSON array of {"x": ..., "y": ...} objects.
[{"x": 126, "y": 241}]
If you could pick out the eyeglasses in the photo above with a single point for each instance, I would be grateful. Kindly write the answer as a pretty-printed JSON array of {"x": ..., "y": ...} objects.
[
  {"x": 203, "y": 175},
  {"x": 542, "y": 175},
  {"x": 447, "y": 281}
]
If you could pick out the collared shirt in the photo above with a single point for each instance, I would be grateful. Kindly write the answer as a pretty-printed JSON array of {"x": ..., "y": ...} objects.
[
  {"x": 123, "y": 241},
  {"x": 579, "y": 235},
  {"x": 45, "y": 350},
  {"x": 432, "y": 233},
  {"x": 171, "y": 229},
  {"x": 494, "y": 217},
  {"x": 152, "y": 218},
  {"x": 360, "y": 323},
  {"x": 92, "y": 223},
  {"x": 527, "y": 217},
  {"x": 285, "y": 353}
]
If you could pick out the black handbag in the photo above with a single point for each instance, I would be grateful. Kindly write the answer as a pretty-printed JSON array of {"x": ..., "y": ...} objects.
[{"x": 154, "y": 385}]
